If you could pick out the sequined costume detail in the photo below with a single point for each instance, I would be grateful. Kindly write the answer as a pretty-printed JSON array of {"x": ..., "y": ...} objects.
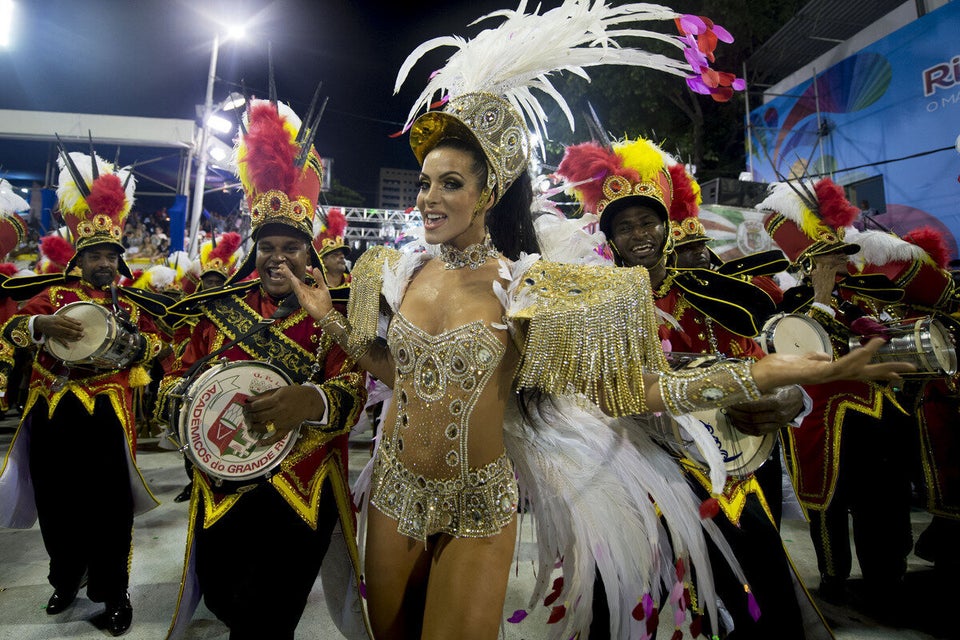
[{"x": 422, "y": 476}]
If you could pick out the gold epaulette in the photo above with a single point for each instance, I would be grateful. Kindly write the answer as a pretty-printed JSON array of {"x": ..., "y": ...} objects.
[
  {"x": 589, "y": 330},
  {"x": 363, "y": 308}
]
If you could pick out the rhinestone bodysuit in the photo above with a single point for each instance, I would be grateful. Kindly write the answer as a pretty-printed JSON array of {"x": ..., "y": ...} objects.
[{"x": 422, "y": 476}]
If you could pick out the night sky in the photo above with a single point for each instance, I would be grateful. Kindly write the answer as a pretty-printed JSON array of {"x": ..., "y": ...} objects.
[{"x": 151, "y": 57}]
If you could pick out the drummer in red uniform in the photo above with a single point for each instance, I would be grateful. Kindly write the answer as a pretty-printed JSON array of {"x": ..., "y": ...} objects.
[
  {"x": 256, "y": 540},
  {"x": 77, "y": 436},
  {"x": 636, "y": 220},
  {"x": 851, "y": 455}
]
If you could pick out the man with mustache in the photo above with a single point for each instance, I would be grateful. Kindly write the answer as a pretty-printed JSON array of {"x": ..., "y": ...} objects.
[{"x": 77, "y": 436}]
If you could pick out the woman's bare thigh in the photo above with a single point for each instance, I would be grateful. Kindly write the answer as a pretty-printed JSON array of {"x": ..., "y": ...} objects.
[
  {"x": 468, "y": 585},
  {"x": 396, "y": 569}
]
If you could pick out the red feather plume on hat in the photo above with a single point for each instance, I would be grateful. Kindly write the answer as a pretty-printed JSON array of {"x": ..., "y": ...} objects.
[
  {"x": 590, "y": 163},
  {"x": 833, "y": 206},
  {"x": 930, "y": 240},
  {"x": 57, "y": 250},
  {"x": 227, "y": 245},
  {"x": 270, "y": 151},
  {"x": 684, "y": 204},
  {"x": 8, "y": 269},
  {"x": 107, "y": 195},
  {"x": 336, "y": 222}
]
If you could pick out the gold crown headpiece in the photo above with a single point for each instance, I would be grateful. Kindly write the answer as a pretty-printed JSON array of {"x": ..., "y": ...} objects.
[{"x": 95, "y": 198}]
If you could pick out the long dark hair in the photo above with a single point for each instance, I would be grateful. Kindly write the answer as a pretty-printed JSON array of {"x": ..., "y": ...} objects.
[{"x": 510, "y": 221}]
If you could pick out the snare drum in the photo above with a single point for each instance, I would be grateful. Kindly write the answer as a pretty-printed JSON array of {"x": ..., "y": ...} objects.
[
  {"x": 106, "y": 343},
  {"x": 209, "y": 419},
  {"x": 794, "y": 333},
  {"x": 925, "y": 343},
  {"x": 742, "y": 453}
]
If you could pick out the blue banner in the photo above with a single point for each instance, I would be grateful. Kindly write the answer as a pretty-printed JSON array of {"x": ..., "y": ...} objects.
[
  {"x": 886, "y": 118},
  {"x": 178, "y": 219}
]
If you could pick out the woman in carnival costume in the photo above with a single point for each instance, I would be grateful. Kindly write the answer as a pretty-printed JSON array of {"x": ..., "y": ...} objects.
[{"x": 477, "y": 317}]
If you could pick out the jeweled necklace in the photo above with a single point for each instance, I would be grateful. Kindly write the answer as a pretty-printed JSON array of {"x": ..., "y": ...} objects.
[{"x": 473, "y": 256}]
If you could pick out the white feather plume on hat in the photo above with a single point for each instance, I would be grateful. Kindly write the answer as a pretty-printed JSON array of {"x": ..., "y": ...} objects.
[{"x": 10, "y": 202}]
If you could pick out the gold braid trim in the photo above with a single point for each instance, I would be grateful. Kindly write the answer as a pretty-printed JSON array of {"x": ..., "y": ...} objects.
[
  {"x": 363, "y": 308},
  {"x": 591, "y": 330},
  {"x": 733, "y": 499},
  {"x": 212, "y": 510},
  {"x": 308, "y": 509}
]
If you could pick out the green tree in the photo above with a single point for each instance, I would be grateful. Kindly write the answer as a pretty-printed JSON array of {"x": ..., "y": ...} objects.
[{"x": 342, "y": 195}]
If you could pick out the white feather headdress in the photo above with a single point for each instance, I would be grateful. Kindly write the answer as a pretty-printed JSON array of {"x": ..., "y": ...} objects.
[
  {"x": 487, "y": 85},
  {"x": 517, "y": 56}
]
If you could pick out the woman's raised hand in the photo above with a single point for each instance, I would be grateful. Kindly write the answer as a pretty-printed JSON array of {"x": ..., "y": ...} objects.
[
  {"x": 314, "y": 299},
  {"x": 776, "y": 370}
]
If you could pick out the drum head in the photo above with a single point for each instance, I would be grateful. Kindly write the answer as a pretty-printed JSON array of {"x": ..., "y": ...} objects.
[
  {"x": 742, "y": 453},
  {"x": 942, "y": 347},
  {"x": 96, "y": 324},
  {"x": 213, "y": 428},
  {"x": 795, "y": 334}
]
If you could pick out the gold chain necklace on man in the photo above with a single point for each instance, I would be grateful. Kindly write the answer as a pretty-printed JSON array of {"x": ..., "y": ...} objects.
[{"x": 473, "y": 256}]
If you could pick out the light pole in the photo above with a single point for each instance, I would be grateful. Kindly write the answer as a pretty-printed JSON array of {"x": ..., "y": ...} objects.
[{"x": 196, "y": 210}]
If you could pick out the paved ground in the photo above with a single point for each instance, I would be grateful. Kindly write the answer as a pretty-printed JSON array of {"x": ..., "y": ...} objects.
[{"x": 158, "y": 554}]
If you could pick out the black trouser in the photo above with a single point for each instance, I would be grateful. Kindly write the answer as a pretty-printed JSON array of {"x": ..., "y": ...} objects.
[
  {"x": 873, "y": 485},
  {"x": 82, "y": 486},
  {"x": 257, "y": 564},
  {"x": 757, "y": 546},
  {"x": 770, "y": 478}
]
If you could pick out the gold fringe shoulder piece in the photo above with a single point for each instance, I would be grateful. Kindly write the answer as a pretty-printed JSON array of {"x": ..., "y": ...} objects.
[
  {"x": 589, "y": 330},
  {"x": 363, "y": 308}
]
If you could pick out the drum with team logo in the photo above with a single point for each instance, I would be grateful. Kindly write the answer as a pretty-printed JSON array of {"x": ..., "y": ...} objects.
[{"x": 208, "y": 413}]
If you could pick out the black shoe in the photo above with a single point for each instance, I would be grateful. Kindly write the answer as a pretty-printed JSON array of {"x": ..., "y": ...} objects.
[
  {"x": 63, "y": 598},
  {"x": 119, "y": 615},
  {"x": 60, "y": 600},
  {"x": 184, "y": 495}
]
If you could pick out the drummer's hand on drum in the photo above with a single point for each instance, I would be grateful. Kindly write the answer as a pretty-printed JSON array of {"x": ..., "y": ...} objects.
[
  {"x": 314, "y": 299},
  {"x": 782, "y": 369},
  {"x": 769, "y": 413},
  {"x": 277, "y": 412},
  {"x": 61, "y": 328}
]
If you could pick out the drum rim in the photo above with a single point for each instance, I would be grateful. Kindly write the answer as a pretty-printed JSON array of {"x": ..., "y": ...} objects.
[
  {"x": 289, "y": 440},
  {"x": 769, "y": 330},
  {"x": 940, "y": 328},
  {"x": 52, "y": 346}
]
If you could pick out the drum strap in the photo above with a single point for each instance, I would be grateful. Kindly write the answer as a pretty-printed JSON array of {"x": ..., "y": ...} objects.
[{"x": 287, "y": 306}]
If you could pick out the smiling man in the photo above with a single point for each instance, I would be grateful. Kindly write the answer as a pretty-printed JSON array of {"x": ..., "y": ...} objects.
[{"x": 291, "y": 509}]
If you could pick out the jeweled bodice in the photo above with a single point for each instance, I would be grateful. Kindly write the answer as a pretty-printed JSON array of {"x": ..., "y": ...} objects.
[{"x": 439, "y": 380}]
